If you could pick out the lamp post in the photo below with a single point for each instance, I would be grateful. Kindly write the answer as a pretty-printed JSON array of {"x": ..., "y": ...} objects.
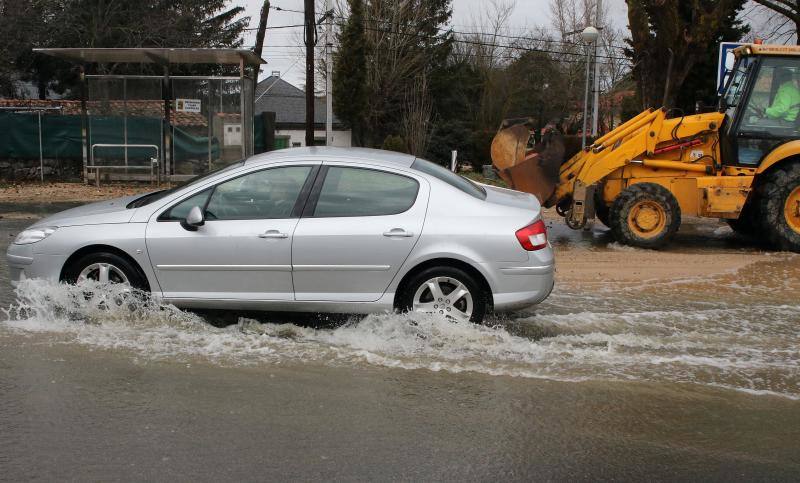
[{"x": 589, "y": 35}]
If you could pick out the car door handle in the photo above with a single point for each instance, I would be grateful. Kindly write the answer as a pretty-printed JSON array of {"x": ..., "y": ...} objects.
[
  {"x": 398, "y": 232},
  {"x": 273, "y": 234}
]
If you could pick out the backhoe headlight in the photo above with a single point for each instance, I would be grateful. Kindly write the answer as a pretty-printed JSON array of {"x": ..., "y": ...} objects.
[{"x": 33, "y": 235}]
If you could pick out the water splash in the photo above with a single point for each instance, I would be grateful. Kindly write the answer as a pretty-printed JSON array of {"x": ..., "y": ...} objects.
[{"x": 573, "y": 336}]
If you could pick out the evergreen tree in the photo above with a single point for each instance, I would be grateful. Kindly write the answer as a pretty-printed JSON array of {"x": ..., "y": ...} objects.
[
  {"x": 111, "y": 23},
  {"x": 691, "y": 31},
  {"x": 350, "y": 72}
]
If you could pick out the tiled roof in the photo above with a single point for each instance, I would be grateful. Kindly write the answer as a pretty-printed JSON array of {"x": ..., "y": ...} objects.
[
  {"x": 287, "y": 102},
  {"x": 141, "y": 108}
]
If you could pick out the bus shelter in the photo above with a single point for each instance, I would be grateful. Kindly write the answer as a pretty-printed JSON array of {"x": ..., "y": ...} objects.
[{"x": 165, "y": 126}]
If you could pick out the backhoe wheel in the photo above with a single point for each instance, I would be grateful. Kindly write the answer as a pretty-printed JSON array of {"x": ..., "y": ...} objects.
[
  {"x": 779, "y": 204},
  {"x": 645, "y": 215},
  {"x": 601, "y": 210},
  {"x": 747, "y": 224}
]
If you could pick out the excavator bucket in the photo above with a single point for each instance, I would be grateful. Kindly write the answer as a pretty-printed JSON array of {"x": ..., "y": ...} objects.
[{"x": 534, "y": 171}]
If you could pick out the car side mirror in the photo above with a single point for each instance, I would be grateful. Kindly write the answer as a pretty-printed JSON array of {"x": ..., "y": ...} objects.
[{"x": 194, "y": 219}]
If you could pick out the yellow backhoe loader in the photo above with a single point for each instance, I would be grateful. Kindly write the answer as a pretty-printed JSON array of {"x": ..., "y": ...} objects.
[{"x": 740, "y": 164}]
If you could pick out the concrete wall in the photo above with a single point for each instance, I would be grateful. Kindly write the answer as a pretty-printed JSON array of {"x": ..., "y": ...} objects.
[{"x": 340, "y": 138}]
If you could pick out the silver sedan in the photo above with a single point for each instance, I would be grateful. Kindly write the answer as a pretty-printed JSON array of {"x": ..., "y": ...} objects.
[{"x": 310, "y": 230}]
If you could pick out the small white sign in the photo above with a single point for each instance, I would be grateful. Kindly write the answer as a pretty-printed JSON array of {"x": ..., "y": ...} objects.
[
  {"x": 696, "y": 154},
  {"x": 232, "y": 135},
  {"x": 187, "y": 105}
]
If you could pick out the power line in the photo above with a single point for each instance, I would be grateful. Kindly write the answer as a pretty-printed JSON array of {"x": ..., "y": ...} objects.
[
  {"x": 281, "y": 9},
  {"x": 493, "y": 34},
  {"x": 276, "y": 27},
  {"x": 486, "y": 44}
]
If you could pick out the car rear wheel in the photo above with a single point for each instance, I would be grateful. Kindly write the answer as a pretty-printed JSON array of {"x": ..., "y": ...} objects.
[
  {"x": 105, "y": 267},
  {"x": 445, "y": 291}
]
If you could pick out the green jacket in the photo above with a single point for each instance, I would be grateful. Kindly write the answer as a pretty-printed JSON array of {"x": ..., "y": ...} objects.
[{"x": 786, "y": 105}]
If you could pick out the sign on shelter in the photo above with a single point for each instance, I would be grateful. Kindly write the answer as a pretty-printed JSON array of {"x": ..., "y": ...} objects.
[{"x": 187, "y": 105}]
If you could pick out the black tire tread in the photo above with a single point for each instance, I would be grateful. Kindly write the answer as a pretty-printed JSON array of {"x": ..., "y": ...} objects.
[
  {"x": 771, "y": 197},
  {"x": 134, "y": 274},
  {"x": 748, "y": 224},
  {"x": 601, "y": 210},
  {"x": 480, "y": 299},
  {"x": 618, "y": 215}
]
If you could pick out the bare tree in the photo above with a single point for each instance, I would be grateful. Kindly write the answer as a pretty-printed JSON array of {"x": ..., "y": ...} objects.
[
  {"x": 569, "y": 18},
  {"x": 769, "y": 25},
  {"x": 613, "y": 69},
  {"x": 788, "y": 20},
  {"x": 417, "y": 110},
  {"x": 483, "y": 46}
]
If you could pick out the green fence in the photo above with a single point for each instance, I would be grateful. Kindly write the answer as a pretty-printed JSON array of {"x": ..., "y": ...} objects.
[{"x": 61, "y": 137}]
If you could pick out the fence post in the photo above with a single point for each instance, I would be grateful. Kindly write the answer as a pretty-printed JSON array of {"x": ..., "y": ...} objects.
[
  {"x": 269, "y": 130},
  {"x": 41, "y": 157}
]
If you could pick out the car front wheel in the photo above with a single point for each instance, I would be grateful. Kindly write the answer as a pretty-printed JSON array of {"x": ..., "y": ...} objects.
[
  {"x": 105, "y": 267},
  {"x": 445, "y": 291}
]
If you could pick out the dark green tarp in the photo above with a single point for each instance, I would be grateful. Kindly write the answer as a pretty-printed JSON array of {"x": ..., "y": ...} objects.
[
  {"x": 19, "y": 136},
  {"x": 258, "y": 135},
  {"x": 61, "y": 138}
]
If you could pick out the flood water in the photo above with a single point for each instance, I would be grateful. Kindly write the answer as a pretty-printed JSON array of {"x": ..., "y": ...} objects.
[{"x": 695, "y": 377}]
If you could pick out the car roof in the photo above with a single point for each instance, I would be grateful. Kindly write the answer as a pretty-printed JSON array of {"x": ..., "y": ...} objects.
[{"x": 357, "y": 155}]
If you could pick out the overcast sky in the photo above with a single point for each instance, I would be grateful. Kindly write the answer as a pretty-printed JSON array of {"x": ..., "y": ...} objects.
[{"x": 283, "y": 50}]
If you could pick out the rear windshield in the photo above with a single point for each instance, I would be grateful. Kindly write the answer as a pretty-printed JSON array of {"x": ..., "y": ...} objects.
[
  {"x": 450, "y": 178},
  {"x": 157, "y": 195}
]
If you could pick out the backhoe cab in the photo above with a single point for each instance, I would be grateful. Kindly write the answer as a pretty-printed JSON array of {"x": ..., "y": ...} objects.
[{"x": 740, "y": 164}]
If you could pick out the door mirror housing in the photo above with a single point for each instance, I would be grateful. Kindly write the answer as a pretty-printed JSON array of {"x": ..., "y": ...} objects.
[{"x": 194, "y": 219}]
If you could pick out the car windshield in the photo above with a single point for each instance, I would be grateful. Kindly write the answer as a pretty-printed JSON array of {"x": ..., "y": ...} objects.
[
  {"x": 450, "y": 178},
  {"x": 157, "y": 195}
]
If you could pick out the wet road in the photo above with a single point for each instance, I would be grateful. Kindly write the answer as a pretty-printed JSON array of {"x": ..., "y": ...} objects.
[{"x": 686, "y": 378}]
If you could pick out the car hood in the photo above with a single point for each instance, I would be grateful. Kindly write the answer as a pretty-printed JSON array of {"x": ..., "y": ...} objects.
[
  {"x": 109, "y": 211},
  {"x": 516, "y": 199}
]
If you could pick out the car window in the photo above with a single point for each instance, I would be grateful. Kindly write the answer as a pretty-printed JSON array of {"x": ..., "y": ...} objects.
[
  {"x": 157, "y": 195},
  {"x": 450, "y": 178},
  {"x": 365, "y": 192},
  {"x": 270, "y": 193},
  {"x": 181, "y": 210}
]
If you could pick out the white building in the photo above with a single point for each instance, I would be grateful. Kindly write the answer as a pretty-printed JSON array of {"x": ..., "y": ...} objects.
[{"x": 288, "y": 102}]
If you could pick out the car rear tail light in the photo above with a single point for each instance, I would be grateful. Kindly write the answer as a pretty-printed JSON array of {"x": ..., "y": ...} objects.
[{"x": 533, "y": 237}]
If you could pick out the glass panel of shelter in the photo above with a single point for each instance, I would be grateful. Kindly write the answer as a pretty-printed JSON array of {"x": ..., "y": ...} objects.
[{"x": 124, "y": 124}]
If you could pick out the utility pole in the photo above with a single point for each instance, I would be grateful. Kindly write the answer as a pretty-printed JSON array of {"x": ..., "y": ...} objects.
[
  {"x": 260, "y": 34},
  {"x": 310, "y": 41},
  {"x": 586, "y": 99},
  {"x": 328, "y": 74},
  {"x": 589, "y": 36},
  {"x": 596, "y": 116}
]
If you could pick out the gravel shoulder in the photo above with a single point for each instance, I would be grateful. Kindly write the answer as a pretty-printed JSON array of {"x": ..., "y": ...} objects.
[{"x": 67, "y": 192}]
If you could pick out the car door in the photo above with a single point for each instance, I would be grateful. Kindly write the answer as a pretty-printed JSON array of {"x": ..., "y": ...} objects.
[
  {"x": 359, "y": 225},
  {"x": 243, "y": 250}
]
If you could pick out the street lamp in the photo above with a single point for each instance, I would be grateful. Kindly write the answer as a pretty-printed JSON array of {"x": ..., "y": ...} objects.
[{"x": 590, "y": 36}]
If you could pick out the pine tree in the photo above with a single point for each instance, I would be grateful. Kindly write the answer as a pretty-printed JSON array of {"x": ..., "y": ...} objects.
[
  {"x": 692, "y": 32},
  {"x": 111, "y": 23},
  {"x": 350, "y": 73}
]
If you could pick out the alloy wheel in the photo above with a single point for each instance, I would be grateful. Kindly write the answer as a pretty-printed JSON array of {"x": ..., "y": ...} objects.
[
  {"x": 444, "y": 296},
  {"x": 103, "y": 273}
]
